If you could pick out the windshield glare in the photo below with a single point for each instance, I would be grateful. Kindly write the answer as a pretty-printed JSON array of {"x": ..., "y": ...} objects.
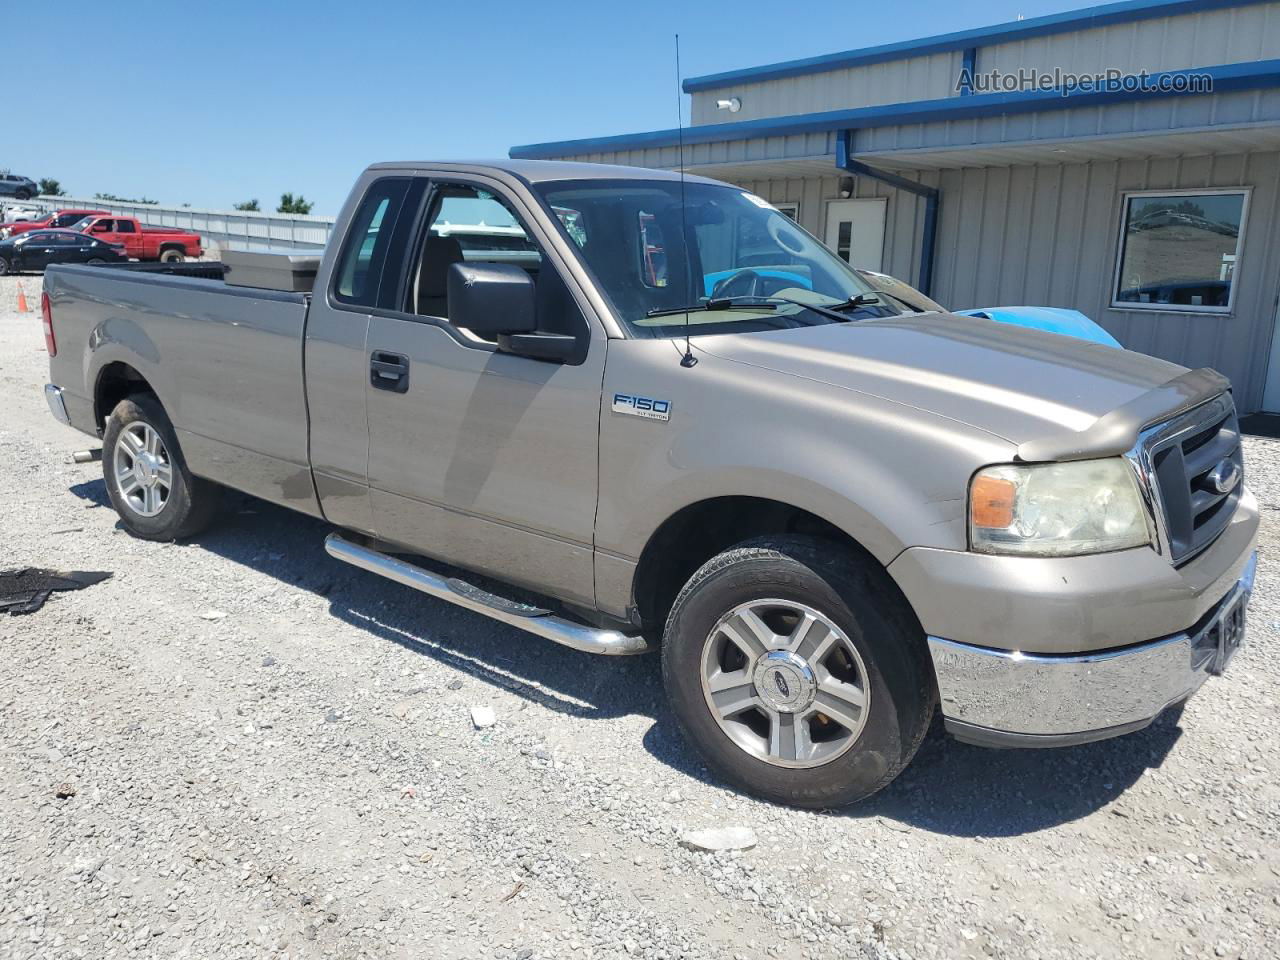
[{"x": 631, "y": 234}]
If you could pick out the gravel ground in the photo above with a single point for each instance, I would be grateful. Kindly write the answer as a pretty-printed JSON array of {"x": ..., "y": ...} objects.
[{"x": 238, "y": 747}]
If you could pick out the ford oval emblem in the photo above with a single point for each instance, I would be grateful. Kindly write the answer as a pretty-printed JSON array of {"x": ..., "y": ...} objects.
[
  {"x": 780, "y": 682},
  {"x": 1224, "y": 476}
]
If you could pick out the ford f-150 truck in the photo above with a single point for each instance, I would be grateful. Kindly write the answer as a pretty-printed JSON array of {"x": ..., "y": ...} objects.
[
  {"x": 166, "y": 244},
  {"x": 833, "y": 512}
]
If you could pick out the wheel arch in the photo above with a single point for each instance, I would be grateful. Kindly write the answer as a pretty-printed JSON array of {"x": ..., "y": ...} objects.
[
  {"x": 116, "y": 381},
  {"x": 698, "y": 531}
]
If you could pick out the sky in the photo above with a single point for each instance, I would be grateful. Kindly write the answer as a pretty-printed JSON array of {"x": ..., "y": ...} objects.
[{"x": 217, "y": 103}]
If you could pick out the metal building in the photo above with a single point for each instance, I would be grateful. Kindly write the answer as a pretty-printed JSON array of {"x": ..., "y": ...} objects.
[{"x": 1123, "y": 160}]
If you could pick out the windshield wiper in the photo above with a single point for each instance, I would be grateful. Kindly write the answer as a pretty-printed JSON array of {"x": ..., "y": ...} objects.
[
  {"x": 716, "y": 303},
  {"x": 873, "y": 300}
]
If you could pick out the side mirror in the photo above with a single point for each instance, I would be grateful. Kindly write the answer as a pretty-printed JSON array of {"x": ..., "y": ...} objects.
[
  {"x": 99, "y": 228},
  {"x": 491, "y": 299},
  {"x": 497, "y": 300}
]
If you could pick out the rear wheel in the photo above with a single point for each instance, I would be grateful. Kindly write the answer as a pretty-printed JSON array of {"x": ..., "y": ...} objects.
[
  {"x": 147, "y": 478},
  {"x": 171, "y": 256},
  {"x": 798, "y": 670},
  {"x": 96, "y": 262},
  {"x": 23, "y": 194},
  {"x": 4, "y": 266}
]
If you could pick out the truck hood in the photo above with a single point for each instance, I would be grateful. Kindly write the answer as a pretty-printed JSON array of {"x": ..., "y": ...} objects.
[{"x": 1018, "y": 384}]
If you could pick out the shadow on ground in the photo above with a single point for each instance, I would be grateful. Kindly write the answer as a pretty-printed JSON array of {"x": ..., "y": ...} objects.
[{"x": 950, "y": 788}]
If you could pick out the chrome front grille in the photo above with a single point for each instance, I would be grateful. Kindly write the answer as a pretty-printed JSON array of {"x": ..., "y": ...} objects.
[{"x": 1198, "y": 468}]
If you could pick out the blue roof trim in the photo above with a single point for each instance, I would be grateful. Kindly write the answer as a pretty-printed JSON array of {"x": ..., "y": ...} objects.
[
  {"x": 1125, "y": 12},
  {"x": 1226, "y": 78}
]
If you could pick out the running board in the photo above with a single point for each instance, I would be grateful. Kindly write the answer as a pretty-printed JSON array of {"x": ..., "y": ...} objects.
[{"x": 535, "y": 620}]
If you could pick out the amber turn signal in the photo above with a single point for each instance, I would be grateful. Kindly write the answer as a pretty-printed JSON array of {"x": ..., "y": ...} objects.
[{"x": 991, "y": 501}]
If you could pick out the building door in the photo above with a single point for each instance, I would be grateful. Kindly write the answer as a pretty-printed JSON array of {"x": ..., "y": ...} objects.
[{"x": 855, "y": 231}]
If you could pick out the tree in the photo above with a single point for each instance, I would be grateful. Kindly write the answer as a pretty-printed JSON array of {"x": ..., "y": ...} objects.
[
  {"x": 291, "y": 204},
  {"x": 247, "y": 205},
  {"x": 50, "y": 187}
]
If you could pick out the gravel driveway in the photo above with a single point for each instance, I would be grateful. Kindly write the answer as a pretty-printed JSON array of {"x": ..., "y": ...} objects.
[{"x": 238, "y": 747}]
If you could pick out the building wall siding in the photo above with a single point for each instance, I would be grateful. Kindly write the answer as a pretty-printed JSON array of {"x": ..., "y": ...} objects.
[
  {"x": 1210, "y": 38},
  {"x": 915, "y": 78},
  {"x": 1114, "y": 120},
  {"x": 1048, "y": 235}
]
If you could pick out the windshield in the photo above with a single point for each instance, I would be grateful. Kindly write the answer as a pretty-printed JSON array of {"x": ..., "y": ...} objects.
[{"x": 738, "y": 249}]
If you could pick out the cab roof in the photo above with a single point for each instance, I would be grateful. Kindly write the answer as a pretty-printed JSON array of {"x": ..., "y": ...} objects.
[{"x": 544, "y": 171}]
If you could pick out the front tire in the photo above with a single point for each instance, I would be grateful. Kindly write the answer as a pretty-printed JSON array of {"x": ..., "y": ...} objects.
[
  {"x": 798, "y": 670},
  {"x": 147, "y": 478},
  {"x": 4, "y": 267}
]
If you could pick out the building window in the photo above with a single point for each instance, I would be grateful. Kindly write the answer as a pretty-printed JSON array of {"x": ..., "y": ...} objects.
[
  {"x": 1179, "y": 250},
  {"x": 791, "y": 210}
]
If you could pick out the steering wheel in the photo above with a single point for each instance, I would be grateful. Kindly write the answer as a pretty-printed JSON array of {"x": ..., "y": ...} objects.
[{"x": 745, "y": 283}]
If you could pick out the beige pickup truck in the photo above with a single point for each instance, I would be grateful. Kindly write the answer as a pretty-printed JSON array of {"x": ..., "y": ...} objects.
[{"x": 835, "y": 514}]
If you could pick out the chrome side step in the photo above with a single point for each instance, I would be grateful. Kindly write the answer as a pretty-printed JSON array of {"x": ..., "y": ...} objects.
[{"x": 533, "y": 619}]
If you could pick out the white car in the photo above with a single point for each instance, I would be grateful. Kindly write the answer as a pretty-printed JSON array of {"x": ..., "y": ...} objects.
[{"x": 19, "y": 214}]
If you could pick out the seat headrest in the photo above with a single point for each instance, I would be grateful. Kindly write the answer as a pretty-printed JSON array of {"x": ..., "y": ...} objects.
[{"x": 438, "y": 255}]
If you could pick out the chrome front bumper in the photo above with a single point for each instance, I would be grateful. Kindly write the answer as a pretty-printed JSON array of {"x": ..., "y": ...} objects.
[
  {"x": 1011, "y": 699},
  {"x": 53, "y": 397}
]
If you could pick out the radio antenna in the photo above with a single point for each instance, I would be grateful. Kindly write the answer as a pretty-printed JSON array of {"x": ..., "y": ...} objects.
[{"x": 688, "y": 360}]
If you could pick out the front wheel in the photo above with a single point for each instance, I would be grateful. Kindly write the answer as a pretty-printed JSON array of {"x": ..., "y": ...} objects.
[
  {"x": 147, "y": 478},
  {"x": 4, "y": 266},
  {"x": 798, "y": 670}
]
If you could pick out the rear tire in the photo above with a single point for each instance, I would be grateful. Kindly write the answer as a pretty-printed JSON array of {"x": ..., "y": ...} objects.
[
  {"x": 171, "y": 256},
  {"x": 147, "y": 478},
  {"x": 23, "y": 194},
  {"x": 4, "y": 266},
  {"x": 853, "y": 639}
]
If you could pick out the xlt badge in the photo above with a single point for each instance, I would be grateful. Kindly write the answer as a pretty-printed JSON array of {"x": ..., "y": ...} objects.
[{"x": 646, "y": 407}]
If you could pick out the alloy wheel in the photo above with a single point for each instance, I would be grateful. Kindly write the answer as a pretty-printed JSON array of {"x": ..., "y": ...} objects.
[
  {"x": 785, "y": 683},
  {"x": 143, "y": 470}
]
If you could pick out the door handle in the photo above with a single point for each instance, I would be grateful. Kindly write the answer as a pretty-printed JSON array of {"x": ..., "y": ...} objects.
[{"x": 389, "y": 371}]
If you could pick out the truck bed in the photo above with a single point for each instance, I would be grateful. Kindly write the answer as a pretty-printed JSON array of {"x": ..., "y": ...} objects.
[{"x": 226, "y": 362}]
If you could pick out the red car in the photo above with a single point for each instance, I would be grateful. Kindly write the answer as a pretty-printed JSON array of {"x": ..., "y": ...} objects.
[
  {"x": 56, "y": 220},
  {"x": 167, "y": 244}
]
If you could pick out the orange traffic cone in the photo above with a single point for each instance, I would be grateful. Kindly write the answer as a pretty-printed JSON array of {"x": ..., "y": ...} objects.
[{"x": 22, "y": 300}]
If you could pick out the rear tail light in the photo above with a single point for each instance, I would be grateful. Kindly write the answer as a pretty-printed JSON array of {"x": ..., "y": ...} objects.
[{"x": 46, "y": 314}]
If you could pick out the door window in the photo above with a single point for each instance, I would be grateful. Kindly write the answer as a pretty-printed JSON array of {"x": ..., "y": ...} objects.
[
  {"x": 472, "y": 225},
  {"x": 368, "y": 240},
  {"x": 125, "y": 226}
]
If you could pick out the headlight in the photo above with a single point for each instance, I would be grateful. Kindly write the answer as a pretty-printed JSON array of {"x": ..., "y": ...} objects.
[{"x": 1057, "y": 509}]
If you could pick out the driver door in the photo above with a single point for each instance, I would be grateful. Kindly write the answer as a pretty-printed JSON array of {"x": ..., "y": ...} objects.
[
  {"x": 484, "y": 459},
  {"x": 36, "y": 253}
]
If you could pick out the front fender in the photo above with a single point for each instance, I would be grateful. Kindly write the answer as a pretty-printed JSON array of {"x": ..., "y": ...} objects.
[{"x": 889, "y": 475}]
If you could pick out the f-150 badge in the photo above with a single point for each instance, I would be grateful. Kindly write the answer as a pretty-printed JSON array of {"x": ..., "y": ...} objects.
[{"x": 646, "y": 407}]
